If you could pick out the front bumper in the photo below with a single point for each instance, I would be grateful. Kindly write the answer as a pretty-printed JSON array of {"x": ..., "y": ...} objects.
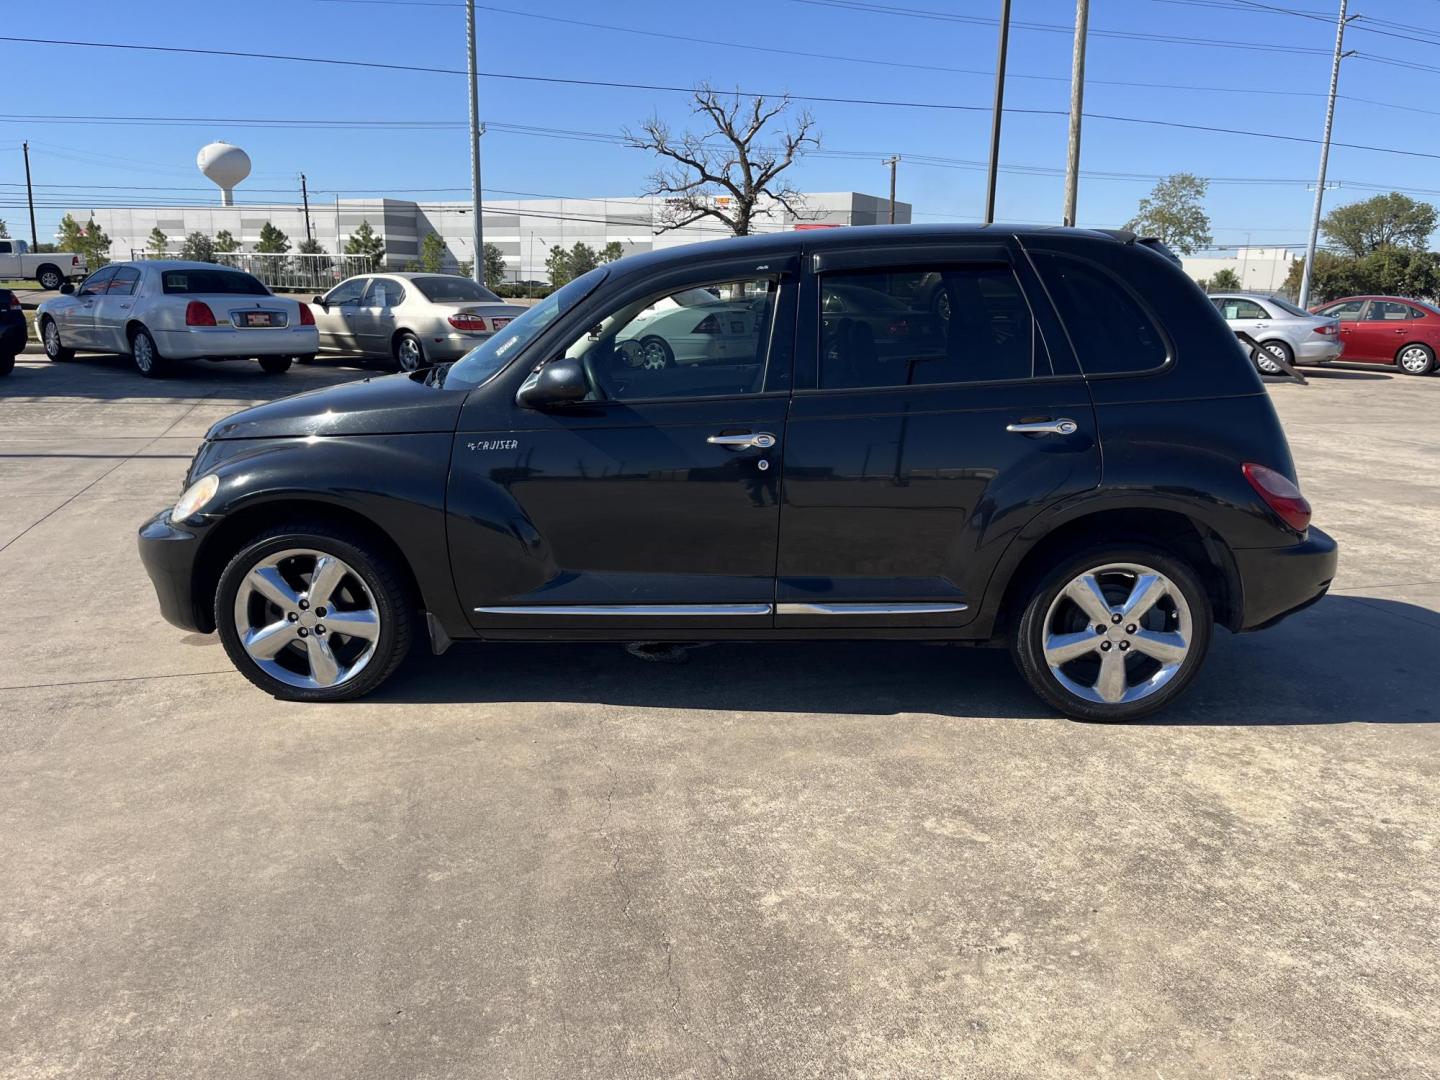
[
  {"x": 1278, "y": 582},
  {"x": 169, "y": 552},
  {"x": 230, "y": 343}
]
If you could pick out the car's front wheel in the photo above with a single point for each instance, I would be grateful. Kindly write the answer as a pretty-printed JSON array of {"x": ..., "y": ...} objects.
[
  {"x": 1113, "y": 633},
  {"x": 313, "y": 613},
  {"x": 1416, "y": 359},
  {"x": 50, "y": 336}
]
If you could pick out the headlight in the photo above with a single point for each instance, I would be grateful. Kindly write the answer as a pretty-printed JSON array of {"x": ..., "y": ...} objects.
[{"x": 195, "y": 497}]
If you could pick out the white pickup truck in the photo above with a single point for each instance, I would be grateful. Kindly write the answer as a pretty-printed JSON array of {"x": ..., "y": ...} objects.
[{"x": 51, "y": 269}]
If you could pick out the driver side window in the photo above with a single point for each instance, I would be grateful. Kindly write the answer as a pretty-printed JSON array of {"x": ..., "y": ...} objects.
[
  {"x": 704, "y": 341},
  {"x": 347, "y": 292}
]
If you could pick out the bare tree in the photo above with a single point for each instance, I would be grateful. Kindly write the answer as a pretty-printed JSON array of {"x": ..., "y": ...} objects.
[{"x": 725, "y": 173}]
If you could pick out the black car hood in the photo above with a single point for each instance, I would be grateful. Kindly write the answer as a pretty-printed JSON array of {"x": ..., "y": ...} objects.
[{"x": 390, "y": 405}]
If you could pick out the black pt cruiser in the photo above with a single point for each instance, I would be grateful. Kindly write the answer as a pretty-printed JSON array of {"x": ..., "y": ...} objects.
[{"x": 1040, "y": 438}]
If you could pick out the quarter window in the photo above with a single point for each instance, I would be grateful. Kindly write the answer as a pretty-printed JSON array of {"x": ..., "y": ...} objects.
[
  {"x": 957, "y": 324},
  {"x": 705, "y": 341},
  {"x": 1111, "y": 332}
]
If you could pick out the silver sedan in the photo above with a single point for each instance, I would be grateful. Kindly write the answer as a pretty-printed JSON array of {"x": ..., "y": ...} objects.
[
  {"x": 411, "y": 320},
  {"x": 159, "y": 310},
  {"x": 1286, "y": 331}
]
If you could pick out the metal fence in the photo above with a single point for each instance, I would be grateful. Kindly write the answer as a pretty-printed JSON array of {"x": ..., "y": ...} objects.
[{"x": 291, "y": 271}]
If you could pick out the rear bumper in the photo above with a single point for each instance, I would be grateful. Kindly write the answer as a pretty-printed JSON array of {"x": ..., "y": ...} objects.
[
  {"x": 441, "y": 348},
  {"x": 1277, "y": 582},
  {"x": 226, "y": 341},
  {"x": 169, "y": 553},
  {"x": 1319, "y": 350}
]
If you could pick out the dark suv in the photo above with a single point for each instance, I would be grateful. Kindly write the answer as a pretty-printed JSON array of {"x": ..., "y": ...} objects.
[{"x": 1070, "y": 456}]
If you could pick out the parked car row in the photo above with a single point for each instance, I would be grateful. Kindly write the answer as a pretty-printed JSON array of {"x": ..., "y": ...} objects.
[{"x": 1388, "y": 330}]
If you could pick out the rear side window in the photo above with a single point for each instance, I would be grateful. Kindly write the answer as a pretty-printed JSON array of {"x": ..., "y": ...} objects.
[
  {"x": 229, "y": 282},
  {"x": 947, "y": 324},
  {"x": 1111, "y": 332}
]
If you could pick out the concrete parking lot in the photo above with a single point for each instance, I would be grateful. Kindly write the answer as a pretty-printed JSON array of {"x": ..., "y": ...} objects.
[{"x": 789, "y": 861}]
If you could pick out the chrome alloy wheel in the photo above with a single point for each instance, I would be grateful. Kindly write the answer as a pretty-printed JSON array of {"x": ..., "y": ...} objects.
[
  {"x": 1415, "y": 359},
  {"x": 411, "y": 358},
  {"x": 143, "y": 350},
  {"x": 654, "y": 356},
  {"x": 52, "y": 339},
  {"x": 306, "y": 618},
  {"x": 1117, "y": 633}
]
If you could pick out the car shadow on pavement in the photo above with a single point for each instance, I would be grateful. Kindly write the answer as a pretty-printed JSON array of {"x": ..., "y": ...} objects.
[
  {"x": 1335, "y": 663},
  {"x": 1342, "y": 374},
  {"x": 111, "y": 377}
]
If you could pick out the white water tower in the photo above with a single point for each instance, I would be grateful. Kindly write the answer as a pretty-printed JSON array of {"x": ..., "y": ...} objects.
[{"x": 225, "y": 166}]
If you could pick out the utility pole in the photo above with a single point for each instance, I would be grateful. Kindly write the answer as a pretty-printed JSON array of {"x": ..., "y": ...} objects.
[
  {"x": 30, "y": 197},
  {"x": 999, "y": 111},
  {"x": 305, "y": 198},
  {"x": 1077, "y": 108},
  {"x": 1305, "y": 275},
  {"x": 893, "y": 160},
  {"x": 478, "y": 239}
]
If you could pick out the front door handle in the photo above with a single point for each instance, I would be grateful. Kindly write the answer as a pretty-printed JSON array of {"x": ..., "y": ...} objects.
[
  {"x": 1062, "y": 426},
  {"x": 761, "y": 440}
]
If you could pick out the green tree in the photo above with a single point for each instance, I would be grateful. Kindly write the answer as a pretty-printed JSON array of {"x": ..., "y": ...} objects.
[
  {"x": 567, "y": 265},
  {"x": 363, "y": 241},
  {"x": 198, "y": 248},
  {"x": 89, "y": 241},
  {"x": 4, "y": 229},
  {"x": 225, "y": 243},
  {"x": 1393, "y": 220},
  {"x": 494, "y": 266},
  {"x": 310, "y": 246},
  {"x": 1225, "y": 278},
  {"x": 158, "y": 244},
  {"x": 272, "y": 241},
  {"x": 1173, "y": 213},
  {"x": 1391, "y": 271},
  {"x": 432, "y": 253},
  {"x": 725, "y": 172}
]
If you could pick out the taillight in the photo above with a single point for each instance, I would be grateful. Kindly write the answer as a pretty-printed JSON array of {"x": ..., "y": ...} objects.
[
  {"x": 14, "y": 302},
  {"x": 708, "y": 325},
  {"x": 899, "y": 328},
  {"x": 74, "y": 260},
  {"x": 467, "y": 321},
  {"x": 1327, "y": 329},
  {"x": 198, "y": 313},
  {"x": 307, "y": 317},
  {"x": 1280, "y": 495}
]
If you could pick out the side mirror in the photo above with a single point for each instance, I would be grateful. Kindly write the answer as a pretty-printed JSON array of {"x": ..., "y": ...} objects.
[
  {"x": 320, "y": 300},
  {"x": 66, "y": 289},
  {"x": 557, "y": 383}
]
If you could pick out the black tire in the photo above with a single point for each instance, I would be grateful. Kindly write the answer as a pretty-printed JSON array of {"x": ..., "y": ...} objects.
[
  {"x": 7, "y": 363},
  {"x": 385, "y": 581},
  {"x": 49, "y": 277},
  {"x": 1416, "y": 359},
  {"x": 50, "y": 338},
  {"x": 1275, "y": 348},
  {"x": 1027, "y": 640},
  {"x": 409, "y": 353},
  {"x": 146, "y": 355},
  {"x": 655, "y": 353},
  {"x": 275, "y": 365}
]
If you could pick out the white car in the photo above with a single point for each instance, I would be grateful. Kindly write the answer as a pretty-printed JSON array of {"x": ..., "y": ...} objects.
[
  {"x": 157, "y": 311},
  {"x": 693, "y": 327}
]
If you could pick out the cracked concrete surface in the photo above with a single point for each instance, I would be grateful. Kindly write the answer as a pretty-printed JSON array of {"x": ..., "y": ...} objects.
[{"x": 790, "y": 861}]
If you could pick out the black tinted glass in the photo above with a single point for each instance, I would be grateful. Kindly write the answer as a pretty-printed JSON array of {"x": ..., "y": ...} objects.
[
  {"x": 228, "y": 282},
  {"x": 1111, "y": 332},
  {"x": 925, "y": 326},
  {"x": 450, "y": 287}
]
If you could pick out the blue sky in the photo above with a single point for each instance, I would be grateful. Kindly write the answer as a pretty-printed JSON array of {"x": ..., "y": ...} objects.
[{"x": 1278, "y": 88}]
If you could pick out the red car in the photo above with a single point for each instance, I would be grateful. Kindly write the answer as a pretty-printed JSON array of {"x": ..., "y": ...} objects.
[{"x": 1387, "y": 330}]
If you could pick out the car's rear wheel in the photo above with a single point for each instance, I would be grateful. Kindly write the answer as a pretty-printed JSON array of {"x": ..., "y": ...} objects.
[
  {"x": 313, "y": 613},
  {"x": 49, "y": 277},
  {"x": 275, "y": 365},
  {"x": 50, "y": 337},
  {"x": 148, "y": 360},
  {"x": 1277, "y": 349},
  {"x": 409, "y": 353},
  {"x": 1416, "y": 359},
  {"x": 1113, "y": 633},
  {"x": 655, "y": 353}
]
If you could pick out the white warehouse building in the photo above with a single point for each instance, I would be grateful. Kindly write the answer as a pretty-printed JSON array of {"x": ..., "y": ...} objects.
[{"x": 523, "y": 230}]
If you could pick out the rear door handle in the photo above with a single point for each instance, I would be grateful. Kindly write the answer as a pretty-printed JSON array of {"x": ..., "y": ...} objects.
[
  {"x": 1063, "y": 426},
  {"x": 762, "y": 440}
]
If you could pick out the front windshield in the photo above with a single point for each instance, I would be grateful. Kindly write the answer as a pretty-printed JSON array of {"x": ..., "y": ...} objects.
[
  {"x": 444, "y": 287},
  {"x": 482, "y": 363}
]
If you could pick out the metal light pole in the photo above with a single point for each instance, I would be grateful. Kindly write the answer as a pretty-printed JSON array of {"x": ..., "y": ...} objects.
[
  {"x": 1305, "y": 274},
  {"x": 893, "y": 160},
  {"x": 999, "y": 111},
  {"x": 478, "y": 238},
  {"x": 1077, "y": 107},
  {"x": 30, "y": 197}
]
